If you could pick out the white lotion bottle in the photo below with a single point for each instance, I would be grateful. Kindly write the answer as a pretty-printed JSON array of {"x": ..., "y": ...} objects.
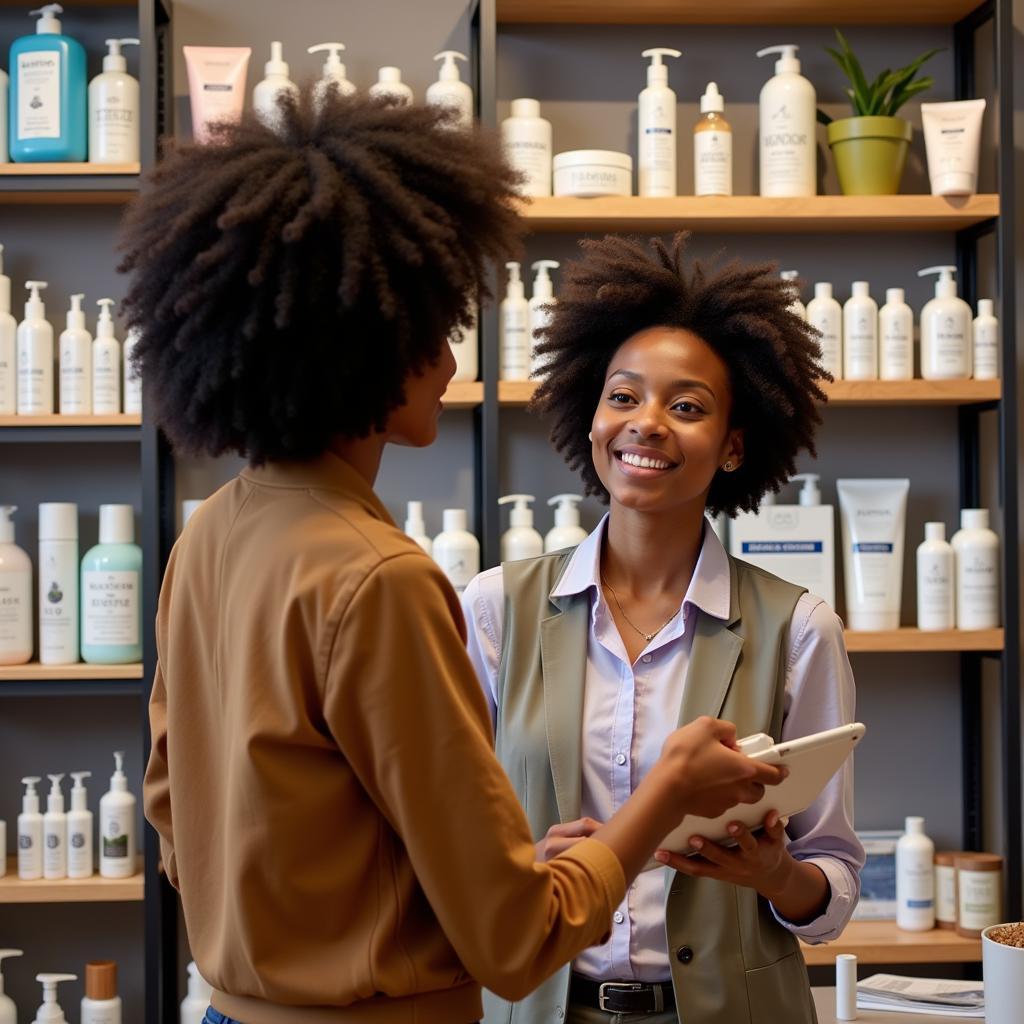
[
  {"x": 542, "y": 308},
  {"x": 656, "y": 129},
  {"x": 55, "y": 832},
  {"x": 274, "y": 85},
  {"x": 450, "y": 91},
  {"x": 114, "y": 109},
  {"x": 132, "y": 382},
  {"x": 860, "y": 334},
  {"x": 58, "y": 583},
  {"x": 334, "y": 74},
  {"x": 389, "y": 86},
  {"x": 106, "y": 364},
  {"x": 526, "y": 139},
  {"x": 197, "y": 1001},
  {"x": 788, "y": 115},
  {"x": 74, "y": 348},
  {"x": 515, "y": 328},
  {"x": 80, "y": 822},
  {"x": 712, "y": 146},
  {"x": 915, "y": 879},
  {"x": 30, "y": 832},
  {"x": 465, "y": 345},
  {"x": 567, "y": 532},
  {"x": 4, "y": 149},
  {"x": 945, "y": 330},
  {"x": 520, "y": 540},
  {"x": 8, "y": 1011},
  {"x": 35, "y": 356},
  {"x": 895, "y": 337},
  {"x": 976, "y": 557},
  {"x": 15, "y": 597},
  {"x": 825, "y": 315},
  {"x": 8, "y": 347},
  {"x": 456, "y": 550},
  {"x": 416, "y": 528},
  {"x": 101, "y": 1004},
  {"x": 796, "y": 307},
  {"x": 985, "y": 338},
  {"x": 935, "y": 606},
  {"x": 117, "y": 825},
  {"x": 50, "y": 1012}
]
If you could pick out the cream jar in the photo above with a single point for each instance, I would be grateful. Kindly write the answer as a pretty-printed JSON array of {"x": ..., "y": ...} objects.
[{"x": 589, "y": 173}]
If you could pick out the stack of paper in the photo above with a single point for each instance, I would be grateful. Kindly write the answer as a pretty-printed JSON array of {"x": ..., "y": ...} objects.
[{"x": 921, "y": 995}]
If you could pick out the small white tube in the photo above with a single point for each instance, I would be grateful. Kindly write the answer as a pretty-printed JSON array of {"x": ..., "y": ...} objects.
[
  {"x": 873, "y": 515},
  {"x": 952, "y": 136},
  {"x": 216, "y": 85},
  {"x": 846, "y": 987}
]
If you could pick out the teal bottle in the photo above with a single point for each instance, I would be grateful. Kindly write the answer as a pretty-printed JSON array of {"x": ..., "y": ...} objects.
[
  {"x": 111, "y": 591},
  {"x": 48, "y": 102}
]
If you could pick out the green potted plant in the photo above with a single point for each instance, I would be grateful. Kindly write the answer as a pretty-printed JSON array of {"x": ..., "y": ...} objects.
[{"x": 870, "y": 148}]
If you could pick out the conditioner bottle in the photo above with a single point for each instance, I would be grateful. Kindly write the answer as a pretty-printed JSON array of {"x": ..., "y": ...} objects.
[
  {"x": 976, "y": 557},
  {"x": 895, "y": 337},
  {"x": 515, "y": 328},
  {"x": 15, "y": 596},
  {"x": 986, "y": 341},
  {"x": 915, "y": 879},
  {"x": 825, "y": 315},
  {"x": 712, "y": 146},
  {"x": 935, "y": 609},
  {"x": 860, "y": 335},
  {"x": 456, "y": 550},
  {"x": 74, "y": 347},
  {"x": 35, "y": 356},
  {"x": 945, "y": 330},
  {"x": 788, "y": 114},
  {"x": 8, "y": 347},
  {"x": 656, "y": 129},
  {"x": 117, "y": 825}
]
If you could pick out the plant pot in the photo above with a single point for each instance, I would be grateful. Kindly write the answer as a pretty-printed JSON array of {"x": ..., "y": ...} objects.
[
  {"x": 1003, "y": 971},
  {"x": 870, "y": 153}
]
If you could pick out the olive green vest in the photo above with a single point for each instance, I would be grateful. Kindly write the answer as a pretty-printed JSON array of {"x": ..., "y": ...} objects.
[{"x": 731, "y": 961}]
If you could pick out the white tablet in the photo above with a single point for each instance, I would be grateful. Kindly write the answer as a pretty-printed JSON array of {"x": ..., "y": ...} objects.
[{"x": 812, "y": 761}]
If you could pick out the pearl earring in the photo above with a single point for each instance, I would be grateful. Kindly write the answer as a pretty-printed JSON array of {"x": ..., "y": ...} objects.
[
  {"x": 590, "y": 437},
  {"x": 728, "y": 467}
]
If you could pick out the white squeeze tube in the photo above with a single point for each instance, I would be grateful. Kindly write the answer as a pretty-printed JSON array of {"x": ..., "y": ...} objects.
[{"x": 952, "y": 137}]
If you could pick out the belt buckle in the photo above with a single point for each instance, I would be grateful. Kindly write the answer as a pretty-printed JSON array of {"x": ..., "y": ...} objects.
[{"x": 628, "y": 986}]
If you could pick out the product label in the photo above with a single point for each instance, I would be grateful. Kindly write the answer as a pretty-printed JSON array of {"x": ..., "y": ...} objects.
[
  {"x": 38, "y": 95},
  {"x": 74, "y": 384},
  {"x": 100, "y": 1015},
  {"x": 980, "y": 903},
  {"x": 896, "y": 346},
  {"x": 112, "y": 131},
  {"x": 8, "y": 373},
  {"x": 133, "y": 382},
  {"x": 532, "y": 158},
  {"x": 58, "y": 604},
  {"x": 946, "y": 336},
  {"x": 106, "y": 383},
  {"x": 977, "y": 588},
  {"x": 54, "y": 864},
  {"x": 827, "y": 323},
  {"x": 935, "y": 590},
  {"x": 34, "y": 381},
  {"x": 915, "y": 882},
  {"x": 782, "y": 547},
  {"x": 945, "y": 893},
  {"x": 110, "y": 608},
  {"x": 861, "y": 346},
  {"x": 116, "y": 836},
  {"x": 15, "y": 611},
  {"x": 515, "y": 343},
  {"x": 787, "y": 163},
  {"x": 986, "y": 352},
  {"x": 712, "y": 160}
]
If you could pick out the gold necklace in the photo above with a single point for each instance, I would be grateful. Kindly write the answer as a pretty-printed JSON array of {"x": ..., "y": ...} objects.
[{"x": 647, "y": 636}]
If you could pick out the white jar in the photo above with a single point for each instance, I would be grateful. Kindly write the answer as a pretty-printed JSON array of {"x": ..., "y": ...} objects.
[
  {"x": 526, "y": 137},
  {"x": 979, "y": 878},
  {"x": 976, "y": 551},
  {"x": 589, "y": 173}
]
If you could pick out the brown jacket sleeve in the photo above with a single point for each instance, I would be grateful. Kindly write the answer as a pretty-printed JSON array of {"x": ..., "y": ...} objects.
[
  {"x": 156, "y": 791},
  {"x": 405, "y": 707}
]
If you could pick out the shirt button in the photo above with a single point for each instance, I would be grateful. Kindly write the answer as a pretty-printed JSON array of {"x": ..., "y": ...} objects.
[
  {"x": 684, "y": 954},
  {"x": 620, "y": 758},
  {"x": 618, "y": 917},
  {"x": 646, "y": 659},
  {"x": 559, "y": 1012}
]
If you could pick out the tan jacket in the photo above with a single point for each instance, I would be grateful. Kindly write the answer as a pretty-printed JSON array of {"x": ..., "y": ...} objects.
[{"x": 346, "y": 845}]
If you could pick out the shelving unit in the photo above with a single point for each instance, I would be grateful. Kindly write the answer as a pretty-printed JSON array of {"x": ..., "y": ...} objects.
[
  {"x": 69, "y": 890},
  {"x": 464, "y": 395},
  {"x": 34, "y": 672},
  {"x": 881, "y": 942}
]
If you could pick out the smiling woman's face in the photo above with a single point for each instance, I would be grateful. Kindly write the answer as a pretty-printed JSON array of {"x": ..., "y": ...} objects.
[{"x": 661, "y": 429}]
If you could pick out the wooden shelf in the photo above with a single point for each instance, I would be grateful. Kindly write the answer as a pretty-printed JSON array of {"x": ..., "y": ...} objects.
[
  {"x": 464, "y": 395},
  {"x": 67, "y": 890},
  {"x": 881, "y": 942},
  {"x": 33, "y": 671},
  {"x": 910, "y": 640},
  {"x": 61, "y": 169},
  {"x": 756, "y": 213},
  {"x": 121, "y": 419},
  {"x": 734, "y": 12}
]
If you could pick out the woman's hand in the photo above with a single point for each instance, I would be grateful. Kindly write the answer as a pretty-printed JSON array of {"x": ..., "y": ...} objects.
[{"x": 560, "y": 838}]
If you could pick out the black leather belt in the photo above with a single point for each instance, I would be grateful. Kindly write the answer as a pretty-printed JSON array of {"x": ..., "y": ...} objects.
[{"x": 623, "y": 996}]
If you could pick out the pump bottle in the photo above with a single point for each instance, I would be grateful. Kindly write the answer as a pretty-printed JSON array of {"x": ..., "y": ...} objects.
[
  {"x": 58, "y": 583},
  {"x": 712, "y": 147},
  {"x": 117, "y": 825},
  {"x": 114, "y": 109},
  {"x": 656, "y": 129},
  {"x": 520, "y": 540},
  {"x": 131, "y": 381},
  {"x": 515, "y": 320},
  {"x": 106, "y": 364},
  {"x": 796, "y": 307},
  {"x": 275, "y": 84},
  {"x": 450, "y": 91},
  {"x": 74, "y": 388},
  {"x": 860, "y": 335},
  {"x": 15, "y": 597},
  {"x": 80, "y": 821},
  {"x": 389, "y": 85},
  {"x": 35, "y": 356},
  {"x": 197, "y": 1001},
  {"x": 945, "y": 330},
  {"x": 50, "y": 1011},
  {"x": 825, "y": 315},
  {"x": 456, "y": 550},
  {"x": 8, "y": 1011},
  {"x": 976, "y": 558},
  {"x": 567, "y": 532},
  {"x": 415, "y": 527},
  {"x": 542, "y": 309},
  {"x": 526, "y": 140},
  {"x": 8, "y": 347},
  {"x": 935, "y": 606},
  {"x": 102, "y": 1004},
  {"x": 30, "y": 832},
  {"x": 55, "y": 832},
  {"x": 895, "y": 337},
  {"x": 334, "y": 75},
  {"x": 788, "y": 114},
  {"x": 915, "y": 879},
  {"x": 986, "y": 342}
]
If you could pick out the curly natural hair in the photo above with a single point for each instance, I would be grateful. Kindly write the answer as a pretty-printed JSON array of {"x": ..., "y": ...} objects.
[
  {"x": 620, "y": 287},
  {"x": 286, "y": 281}
]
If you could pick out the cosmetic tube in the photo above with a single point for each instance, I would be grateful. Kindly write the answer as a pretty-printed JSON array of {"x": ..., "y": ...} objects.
[
  {"x": 952, "y": 137},
  {"x": 216, "y": 85}
]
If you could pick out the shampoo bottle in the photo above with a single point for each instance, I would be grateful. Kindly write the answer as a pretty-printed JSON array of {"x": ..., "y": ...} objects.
[
  {"x": 456, "y": 550},
  {"x": 35, "y": 357},
  {"x": 415, "y": 527},
  {"x": 334, "y": 75},
  {"x": 80, "y": 841},
  {"x": 945, "y": 330},
  {"x": 102, "y": 1004},
  {"x": 915, "y": 879},
  {"x": 132, "y": 382},
  {"x": 976, "y": 558},
  {"x": 542, "y": 309},
  {"x": 986, "y": 341},
  {"x": 55, "y": 832},
  {"x": 197, "y": 1001},
  {"x": 788, "y": 114},
  {"x": 466, "y": 348},
  {"x": 114, "y": 110},
  {"x": 796, "y": 307},
  {"x": 8, "y": 1011},
  {"x": 895, "y": 337},
  {"x": 526, "y": 139},
  {"x": 860, "y": 335},
  {"x": 117, "y": 825},
  {"x": 389, "y": 85},
  {"x": 450, "y": 91},
  {"x": 50, "y": 1011},
  {"x": 935, "y": 607},
  {"x": 74, "y": 347},
  {"x": 15, "y": 597},
  {"x": 58, "y": 583},
  {"x": 30, "y": 832},
  {"x": 712, "y": 147},
  {"x": 274, "y": 85},
  {"x": 520, "y": 540},
  {"x": 106, "y": 364},
  {"x": 515, "y": 328},
  {"x": 656, "y": 129},
  {"x": 567, "y": 532},
  {"x": 825, "y": 315},
  {"x": 112, "y": 591},
  {"x": 48, "y": 106},
  {"x": 4, "y": 150},
  {"x": 8, "y": 347}
]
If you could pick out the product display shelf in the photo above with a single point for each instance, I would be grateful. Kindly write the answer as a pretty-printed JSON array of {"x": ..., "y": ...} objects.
[
  {"x": 67, "y": 170},
  {"x": 464, "y": 395},
  {"x": 34, "y": 672},
  {"x": 69, "y": 890},
  {"x": 881, "y": 942},
  {"x": 909, "y": 640},
  {"x": 124, "y": 427}
]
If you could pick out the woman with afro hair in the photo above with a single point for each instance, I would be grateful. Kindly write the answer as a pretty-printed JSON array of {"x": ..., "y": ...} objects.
[
  {"x": 674, "y": 388},
  {"x": 322, "y": 778}
]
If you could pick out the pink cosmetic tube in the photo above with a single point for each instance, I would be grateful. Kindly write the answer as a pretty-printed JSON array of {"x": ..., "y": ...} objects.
[{"x": 216, "y": 85}]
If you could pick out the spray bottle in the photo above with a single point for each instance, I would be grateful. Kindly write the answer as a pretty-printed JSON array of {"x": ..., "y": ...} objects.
[
  {"x": 515, "y": 335},
  {"x": 8, "y": 1011},
  {"x": 50, "y": 1012},
  {"x": 106, "y": 364},
  {"x": 567, "y": 532},
  {"x": 30, "y": 832},
  {"x": 80, "y": 843},
  {"x": 55, "y": 832},
  {"x": 520, "y": 540},
  {"x": 542, "y": 308},
  {"x": 334, "y": 75},
  {"x": 656, "y": 128},
  {"x": 450, "y": 91}
]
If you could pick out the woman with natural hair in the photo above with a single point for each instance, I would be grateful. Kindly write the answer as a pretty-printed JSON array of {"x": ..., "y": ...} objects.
[
  {"x": 346, "y": 845},
  {"x": 674, "y": 388}
]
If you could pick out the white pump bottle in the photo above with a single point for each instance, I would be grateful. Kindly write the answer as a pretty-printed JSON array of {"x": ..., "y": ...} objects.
[
  {"x": 788, "y": 115},
  {"x": 450, "y": 91},
  {"x": 796, "y": 306},
  {"x": 15, "y": 599},
  {"x": 8, "y": 1011},
  {"x": 30, "y": 832},
  {"x": 656, "y": 128},
  {"x": 106, "y": 364},
  {"x": 389, "y": 85},
  {"x": 520, "y": 540},
  {"x": 80, "y": 840},
  {"x": 35, "y": 356},
  {"x": 515, "y": 324},
  {"x": 945, "y": 330},
  {"x": 50, "y": 1012},
  {"x": 542, "y": 308},
  {"x": 275, "y": 84},
  {"x": 415, "y": 527},
  {"x": 114, "y": 109},
  {"x": 55, "y": 832},
  {"x": 117, "y": 825},
  {"x": 567, "y": 532},
  {"x": 74, "y": 387},
  {"x": 334, "y": 74},
  {"x": 197, "y": 1001},
  {"x": 8, "y": 348}
]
